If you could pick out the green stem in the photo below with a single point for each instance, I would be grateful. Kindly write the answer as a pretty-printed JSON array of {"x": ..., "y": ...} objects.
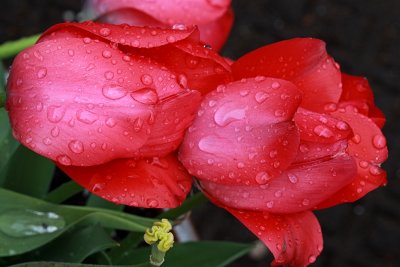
[
  {"x": 157, "y": 256},
  {"x": 11, "y": 48}
]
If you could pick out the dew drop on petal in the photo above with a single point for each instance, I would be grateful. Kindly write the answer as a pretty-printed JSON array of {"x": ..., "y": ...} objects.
[
  {"x": 293, "y": 178},
  {"x": 86, "y": 116},
  {"x": 76, "y": 146},
  {"x": 226, "y": 114},
  {"x": 379, "y": 141},
  {"x": 110, "y": 122},
  {"x": 42, "y": 72},
  {"x": 323, "y": 131},
  {"x": 64, "y": 160},
  {"x": 105, "y": 32},
  {"x": 152, "y": 203},
  {"x": 145, "y": 95},
  {"x": 114, "y": 91},
  {"x": 109, "y": 75},
  {"x": 275, "y": 85},
  {"x": 146, "y": 79},
  {"x": 262, "y": 178},
  {"x": 106, "y": 54},
  {"x": 261, "y": 96},
  {"x": 55, "y": 113}
]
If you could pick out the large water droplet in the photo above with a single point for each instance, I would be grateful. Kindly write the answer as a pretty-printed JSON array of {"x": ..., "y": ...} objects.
[
  {"x": 292, "y": 178},
  {"x": 227, "y": 114},
  {"x": 106, "y": 54},
  {"x": 55, "y": 113},
  {"x": 86, "y": 116},
  {"x": 207, "y": 144},
  {"x": 76, "y": 146},
  {"x": 379, "y": 141},
  {"x": 152, "y": 203},
  {"x": 22, "y": 223},
  {"x": 114, "y": 91},
  {"x": 109, "y": 75},
  {"x": 146, "y": 96},
  {"x": 323, "y": 131},
  {"x": 110, "y": 122}
]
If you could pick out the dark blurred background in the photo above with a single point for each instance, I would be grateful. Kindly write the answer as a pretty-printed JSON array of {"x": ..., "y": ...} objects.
[{"x": 364, "y": 37}]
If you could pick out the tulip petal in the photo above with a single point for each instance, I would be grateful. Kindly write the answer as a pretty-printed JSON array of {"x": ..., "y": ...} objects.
[
  {"x": 369, "y": 177},
  {"x": 243, "y": 129},
  {"x": 130, "y": 36},
  {"x": 293, "y": 239},
  {"x": 215, "y": 33},
  {"x": 320, "y": 128},
  {"x": 148, "y": 183},
  {"x": 297, "y": 189},
  {"x": 130, "y": 16},
  {"x": 84, "y": 103},
  {"x": 368, "y": 142},
  {"x": 174, "y": 115},
  {"x": 169, "y": 12},
  {"x": 303, "y": 61}
]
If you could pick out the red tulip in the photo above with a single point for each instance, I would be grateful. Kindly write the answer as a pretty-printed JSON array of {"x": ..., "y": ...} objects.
[
  {"x": 289, "y": 136},
  {"x": 213, "y": 17},
  {"x": 110, "y": 104}
]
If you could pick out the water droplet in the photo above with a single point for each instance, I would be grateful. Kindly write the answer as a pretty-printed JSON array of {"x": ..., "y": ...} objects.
[
  {"x": 259, "y": 78},
  {"x": 71, "y": 52},
  {"x": 146, "y": 96},
  {"x": 207, "y": 144},
  {"x": 55, "y": 131},
  {"x": 262, "y": 178},
  {"x": 363, "y": 164},
  {"x": 191, "y": 62},
  {"x": 146, "y": 79},
  {"x": 379, "y": 141},
  {"x": 109, "y": 75},
  {"x": 86, "y": 116},
  {"x": 114, "y": 91},
  {"x": 356, "y": 138},
  {"x": 42, "y": 72},
  {"x": 275, "y": 85},
  {"x": 87, "y": 40},
  {"x": 305, "y": 202},
  {"x": 212, "y": 103},
  {"x": 64, "y": 160},
  {"x": 47, "y": 141},
  {"x": 261, "y": 96},
  {"x": 183, "y": 81},
  {"x": 138, "y": 124},
  {"x": 240, "y": 165},
  {"x": 105, "y": 32},
  {"x": 278, "y": 193},
  {"x": 22, "y": 223},
  {"x": 152, "y": 203},
  {"x": 55, "y": 113},
  {"x": 28, "y": 140},
  {"x": 341, "y": 125},
  {"x": 179, "y": 26},
  {"x": 323, "y": 131},
  {"x": 312, "y": 259},
  {"x": 110, "y": 122},
  {"x": 76, "y": 146},
  {"x": 227, "y": 114},
  {"x": 39, "y": 106},
  {"x": 106, "y": 54},
  {"x": 293, "y": 178},
  {"x": 171, "y": 39},
  {"x": 375, "y": 170}
]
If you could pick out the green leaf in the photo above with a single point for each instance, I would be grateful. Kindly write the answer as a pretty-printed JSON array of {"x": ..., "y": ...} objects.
[
  {"x": 11, "y": 48},
  {"x": 8, "y": 145},
  {"x": 27, "y": 223},
  {"x": 64, "y": 192},
  {"x": 198, "y": 254},
  {"x": 2, "y": 85},
  {"x": 29, "y": 173},
  {"x": 59, "y": 264},
  {"x": 74, "y": 246}
]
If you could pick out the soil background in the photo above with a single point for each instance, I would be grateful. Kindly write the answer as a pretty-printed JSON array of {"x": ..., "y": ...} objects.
[{"x": 364, "y": 37}]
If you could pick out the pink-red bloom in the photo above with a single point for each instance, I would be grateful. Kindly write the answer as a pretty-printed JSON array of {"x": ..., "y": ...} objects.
[
  {"x": 213, "y": 17},
  {"x": 111, "y": 103},
  {"x": 290, "y": 135}
]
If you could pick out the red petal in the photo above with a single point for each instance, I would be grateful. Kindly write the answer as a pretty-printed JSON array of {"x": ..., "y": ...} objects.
[
  {"x": 147, "y": 183},
  {"x": 196, "y": 66},
  {"x": 320, "y": 128},
  {"x": 84, "y": 103},
  {"x": 293, "y": 239},
  {"x": 130, "y": 36},
  {"x": 356, "y": 88},
  {"x": 243, "y": 129},
  {"x": 174, "y": 115},
  {"x": 130, "y": 16},
  {"x": 169, "y": 12},
  {"x": 368, "y": 142},
  {"x": 299, "y": 188},
  {"x": 303, "y": 61},
  {"x": 216, "y": 32},
  {"x": 369, "y": 178}
]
